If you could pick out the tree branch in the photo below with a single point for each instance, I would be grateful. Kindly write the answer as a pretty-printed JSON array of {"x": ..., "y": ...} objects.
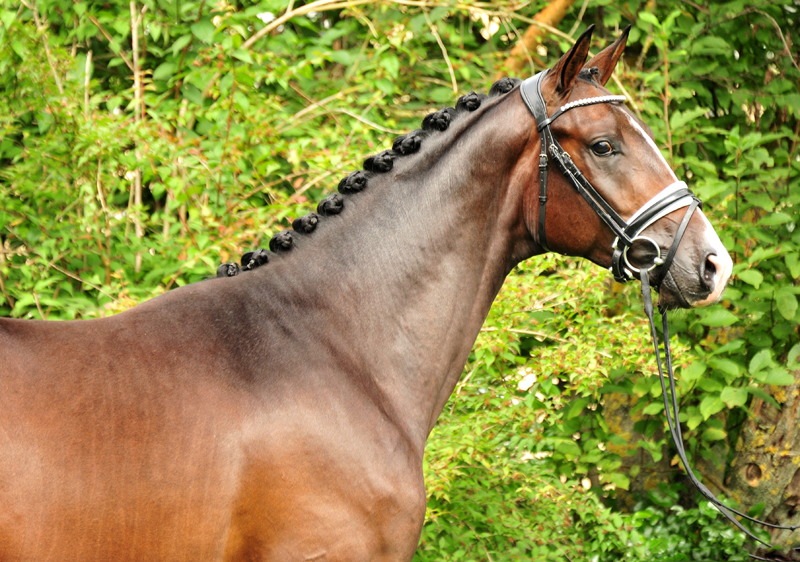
[
  {"x": 105, "y": 33},
  {"x": 550, "y": 16},
  {"x": 43, "y": 30},
  {"x": 318, "y": 6},
  {"x": 435, "y": 33}
]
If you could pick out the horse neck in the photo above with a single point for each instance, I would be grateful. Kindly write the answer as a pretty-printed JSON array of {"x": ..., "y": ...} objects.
[{"x": 399, "y": 284}]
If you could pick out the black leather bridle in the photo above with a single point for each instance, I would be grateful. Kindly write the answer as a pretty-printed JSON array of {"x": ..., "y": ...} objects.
[{"x": 628, "y": 233}]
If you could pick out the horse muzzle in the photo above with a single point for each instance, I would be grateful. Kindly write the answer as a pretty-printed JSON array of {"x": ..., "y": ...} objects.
[
  {"x": 700, "y": 272},
  {"x": 715, "y": 271}
]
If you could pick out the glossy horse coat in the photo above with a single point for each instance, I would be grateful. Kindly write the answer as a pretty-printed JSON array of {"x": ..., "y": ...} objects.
[{"x": 281, "y": 414}]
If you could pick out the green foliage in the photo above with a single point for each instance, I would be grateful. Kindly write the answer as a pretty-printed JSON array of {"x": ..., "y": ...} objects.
[{"x": 231, "y": 138}]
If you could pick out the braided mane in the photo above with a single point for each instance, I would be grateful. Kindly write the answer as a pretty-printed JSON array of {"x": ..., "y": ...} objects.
[{"x": 357, "y": 181}]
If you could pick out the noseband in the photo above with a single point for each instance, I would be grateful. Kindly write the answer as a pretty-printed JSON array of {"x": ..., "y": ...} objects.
[{"x": 628, "y": 233}]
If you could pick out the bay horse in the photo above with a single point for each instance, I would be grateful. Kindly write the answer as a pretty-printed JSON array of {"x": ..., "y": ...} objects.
[{"x": 282, "y": 414}]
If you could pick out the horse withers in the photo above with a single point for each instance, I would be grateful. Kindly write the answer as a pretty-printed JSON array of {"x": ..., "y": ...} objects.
[{"x": 281, "y": 414}]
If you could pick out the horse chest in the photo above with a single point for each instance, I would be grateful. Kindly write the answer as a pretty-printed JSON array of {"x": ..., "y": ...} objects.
[{"x": 326, "y": 494}]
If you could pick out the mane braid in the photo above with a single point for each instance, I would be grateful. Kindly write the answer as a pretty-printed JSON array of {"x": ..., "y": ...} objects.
[
  {"x": 382, "y": 163},
  {"x": 283, "y": 241}
]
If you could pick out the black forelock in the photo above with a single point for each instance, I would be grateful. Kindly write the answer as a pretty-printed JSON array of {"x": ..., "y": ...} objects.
[{"x": 590, "y": 75}]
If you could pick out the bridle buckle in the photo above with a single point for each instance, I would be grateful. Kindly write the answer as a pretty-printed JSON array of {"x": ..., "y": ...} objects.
[{"x": 542, "y": 161}]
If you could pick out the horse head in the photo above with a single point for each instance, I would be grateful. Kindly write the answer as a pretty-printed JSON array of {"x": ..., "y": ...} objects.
[{"x": 603, "y": 180}]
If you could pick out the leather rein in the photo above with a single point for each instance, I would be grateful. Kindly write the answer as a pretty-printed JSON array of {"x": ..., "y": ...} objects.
[{"x": 628, "y": 234}]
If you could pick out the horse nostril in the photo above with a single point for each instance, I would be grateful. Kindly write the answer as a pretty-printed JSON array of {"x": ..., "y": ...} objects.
[{"x": 708, "y": 271}]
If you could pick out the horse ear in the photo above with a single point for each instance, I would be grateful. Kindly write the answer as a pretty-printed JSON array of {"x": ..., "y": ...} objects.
[
  {"x": 606, "y": 60},
  {"x": 569, "y": 65}
]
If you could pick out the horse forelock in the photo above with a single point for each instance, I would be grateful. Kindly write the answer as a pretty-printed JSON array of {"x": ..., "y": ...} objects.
[{"x": 590, "y": 75}]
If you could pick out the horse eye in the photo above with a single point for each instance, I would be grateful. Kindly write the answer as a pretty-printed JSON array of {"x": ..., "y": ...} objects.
[{"x": 602, "y": 148}]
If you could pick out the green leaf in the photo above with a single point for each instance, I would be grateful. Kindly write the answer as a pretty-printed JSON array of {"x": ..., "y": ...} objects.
[
  {"x": 791, "y": 358},
  {"x": 155, "y": 31},
  {"x": 793, "y": 263},
  {"x": 569, "y": 448},
  {"x": 192, "y": 94},
  {"x": 8, "y": 17},
  {"x": 653, "y": 408},
  {"x": 45, "y": 121},
  {"x": 649, "y": 18},
  {"x": 714, "y": 434},
  {"x": 786, "y": 303},
  {"x": 759, "y": 392},
  {"x": 618, "y": 479},
  {"x": 757, "y": 509},
  {"x": 243, "y": 55},
  {"x": 241, "y": 101},
  {"x": 765, "y": 202},
  {"x": 386, "y": 86},
  {"x": 710, "y": 384},
  {"x": 727, "y": 366},
  {"x": 759, "y": 339},
  {"x": 203, "y": 30},
  {"x": 719, "y": 318},
  {"x": 693, "y": 371},
  {"x": 775, "y": 219},
  {"x": 751, "y": 277},
  {"x": 164, "y": 71},
  {"x": 760, "y": 361},
  {"x": 779, "y": 377},
  {"x": 180, "y": 43},
  {"x": 733, "y": 396},
  {"x": 793, "y": 101},
  {"x": 576, "y": 407},
  {"x": 761, "y": 254},
  {"x": 614, "y": 439},
  {"x": 392, "y": 65},
  {"x": 711, "y": 405},
  {"x": 614, "y": 388},
  {"x": 694, "y": 420},
  {"x": 729, "y": 347},
  {"x": 710, "y": 45},
  {"x": 18, "y": 48},
  {"x": 679, "y": 119}
]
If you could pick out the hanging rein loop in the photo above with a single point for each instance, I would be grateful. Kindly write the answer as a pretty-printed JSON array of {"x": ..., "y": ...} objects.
[
  {"x": 672, "y": 412},
  {"x": 624, "y": 266}
]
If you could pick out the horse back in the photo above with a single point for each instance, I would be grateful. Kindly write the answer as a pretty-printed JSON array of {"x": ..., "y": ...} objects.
[{"x": 117, "y": 435}]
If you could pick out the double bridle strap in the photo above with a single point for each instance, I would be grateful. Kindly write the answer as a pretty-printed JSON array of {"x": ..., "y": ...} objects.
[{"x": 628, "y": 233}]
